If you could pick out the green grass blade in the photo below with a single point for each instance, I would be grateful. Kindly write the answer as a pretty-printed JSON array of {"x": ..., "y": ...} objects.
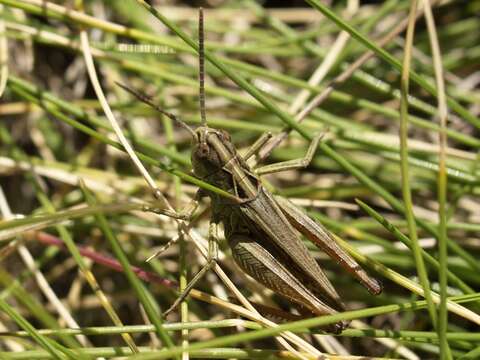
[{"x": 145, "y": 299}]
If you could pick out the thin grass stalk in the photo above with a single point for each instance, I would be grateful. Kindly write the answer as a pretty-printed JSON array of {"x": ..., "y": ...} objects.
[
  {"x": 78, "y": 112},
  {"x": 213, "y": 353},
  {"x": 474, "y": 354},
  {"x": 3, "y": 53},
  {"x": 40, "y": 278},
  {"x": 237, "y": 78},
  {"x": 47, "y": 344},
  {"x": 292, "y": 326},
  {"x": 145, "y": 299},
  {"x": 442, "y": 182},
  {"x": 456, "y": 106},
  {"x": 456, "y": 280},
  {"x": 182, "y": 243},
  {"x": 252, "y": 69},
  {"x": 72, "y": 248},
  {"x": 134, "y": 158},
  {"x": 92, "y": 73},
  {"x": 139, "y": 329},
  {"x": 12, "y": 287},
  {"x": 86, "y": 20},
  {"x": 406, "y": 192},
  {"x": 97, "y": 135}
]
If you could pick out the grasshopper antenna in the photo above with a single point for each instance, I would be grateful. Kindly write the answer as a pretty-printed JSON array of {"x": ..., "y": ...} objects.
[
  {"x": 148, "y": 100},
  {"x": 201, "y": 65}
]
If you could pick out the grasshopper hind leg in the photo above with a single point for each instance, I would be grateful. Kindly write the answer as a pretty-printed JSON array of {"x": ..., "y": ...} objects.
[
  {"x": 324, "y": 240},
  {"x": 259, "y": 263}
]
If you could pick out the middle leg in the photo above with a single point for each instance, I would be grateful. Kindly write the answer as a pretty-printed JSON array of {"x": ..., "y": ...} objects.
[
  {"x": 212, "y": 257},
  {"x": 292, "y": 164}
]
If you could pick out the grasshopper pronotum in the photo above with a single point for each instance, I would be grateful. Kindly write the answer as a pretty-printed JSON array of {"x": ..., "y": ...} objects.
[{"x": 262, "y": 230}]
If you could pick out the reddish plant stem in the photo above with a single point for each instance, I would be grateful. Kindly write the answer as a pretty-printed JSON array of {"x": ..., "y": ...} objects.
[{"x": 105, "y": 260}]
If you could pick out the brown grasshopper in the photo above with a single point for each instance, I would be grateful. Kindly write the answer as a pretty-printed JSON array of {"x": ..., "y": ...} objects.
[{"x": 262, "y": 230}]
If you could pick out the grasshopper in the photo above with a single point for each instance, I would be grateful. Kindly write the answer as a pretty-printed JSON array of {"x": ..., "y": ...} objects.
[{"x": 262, "y": 230}]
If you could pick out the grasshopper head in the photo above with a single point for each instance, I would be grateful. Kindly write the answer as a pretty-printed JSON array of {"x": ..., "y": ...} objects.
[{"x": 207, "y": 162}]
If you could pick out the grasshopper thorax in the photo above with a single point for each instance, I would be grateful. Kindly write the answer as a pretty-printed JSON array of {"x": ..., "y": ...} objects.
[{"x": 215, "y": 160}]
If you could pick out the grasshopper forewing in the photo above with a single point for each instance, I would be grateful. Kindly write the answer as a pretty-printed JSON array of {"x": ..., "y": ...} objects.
[{"x": 262, "y": 231}]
